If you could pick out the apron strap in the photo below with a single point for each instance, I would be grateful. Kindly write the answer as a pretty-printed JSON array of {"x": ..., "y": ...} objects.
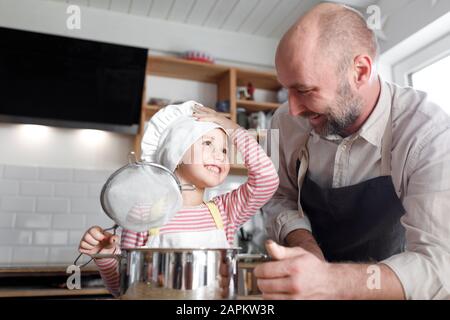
[
  {"x": 215, "y": 213},
  {"x": 386, "y": 148},
  {"x": 153, "y": 231},
  {"x": 214, "y": 210},
  {"x": 303, "y": 156}
]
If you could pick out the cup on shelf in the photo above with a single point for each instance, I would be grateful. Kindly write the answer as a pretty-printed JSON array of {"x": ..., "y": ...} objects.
[{"x": 223, "y": 106}]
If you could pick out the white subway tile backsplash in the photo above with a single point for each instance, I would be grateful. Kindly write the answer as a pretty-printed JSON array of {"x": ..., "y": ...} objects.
[
  {"x": 20, "y": 173},
  {"x": 44, "y": 213},
  {"x": 9, "y": 187},
  {"x": 71, "y": 189},
  {"x": 75, "y": 237},
  {"x": 55, "y": 174},
  {"x": 69, "y": 221},
  {"x": 33, "y": 188},
  {"x": 33, "y": 221},
  {"x": 86, "y": 205},
  {"x": 7, "y": 220},
  {"x": 91, "y": 176},
  {"x": 17, "y": 204},
  {"x": 5, "y": 255},
  {"x": 95, "y": 189},
  {"x": 15, "y": 237},
  {"x": 52, "y": 205},
  {"x": 65, "y": 255},
  {"x": 101, "y": 220},
  {"x": 50, "y": 237},
  {"x": 30, "y": 255}
]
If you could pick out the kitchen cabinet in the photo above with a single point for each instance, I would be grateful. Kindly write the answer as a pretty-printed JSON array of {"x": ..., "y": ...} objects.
[{"x": 227, "y": 79}]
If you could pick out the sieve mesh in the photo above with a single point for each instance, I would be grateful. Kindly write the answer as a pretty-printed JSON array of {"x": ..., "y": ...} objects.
[{"x": 141, "y": 195}]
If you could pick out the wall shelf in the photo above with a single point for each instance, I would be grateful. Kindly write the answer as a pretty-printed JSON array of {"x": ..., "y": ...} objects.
[
  {"x": 255, "y": 106},
  {"x": 227, "y": 80},
  {"x": 171, "y": 67}
]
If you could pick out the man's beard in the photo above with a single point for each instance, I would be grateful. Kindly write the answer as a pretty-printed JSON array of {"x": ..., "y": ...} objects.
[{"x": 343, "y": 113}]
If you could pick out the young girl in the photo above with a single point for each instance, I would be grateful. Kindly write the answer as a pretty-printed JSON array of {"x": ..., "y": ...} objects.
[{"x": 191, "y": 141}]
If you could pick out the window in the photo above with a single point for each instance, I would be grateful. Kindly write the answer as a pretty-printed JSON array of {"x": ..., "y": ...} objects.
[{"x": 434, "y": 79}]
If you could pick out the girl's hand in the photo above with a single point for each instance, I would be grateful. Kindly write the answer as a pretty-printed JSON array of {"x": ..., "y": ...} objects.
[
  {"x": 95, "y": 240},
  {"x": 209, "y": 115}
]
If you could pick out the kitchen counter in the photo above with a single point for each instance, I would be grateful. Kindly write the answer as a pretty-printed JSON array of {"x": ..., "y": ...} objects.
[{"x": 49, "y": 281}]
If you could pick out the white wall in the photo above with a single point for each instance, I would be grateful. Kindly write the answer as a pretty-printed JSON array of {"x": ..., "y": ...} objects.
[
  {"x": 179, "y": 89},
  {"x": 404, "y": 18},
  {"x": 45, "y": 211},
  {"x": 408, "y": 27},
  {"x": 33, "y": 145}
]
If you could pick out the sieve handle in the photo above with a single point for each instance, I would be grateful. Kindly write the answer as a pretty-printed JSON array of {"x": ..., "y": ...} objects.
[
  {"x": 114, "y": 228},
  {"x": 132, "y": 158},
  {"x": 106, "y": 256}
]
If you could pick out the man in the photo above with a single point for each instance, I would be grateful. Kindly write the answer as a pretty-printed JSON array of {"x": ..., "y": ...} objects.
[{"x": 363, "y": 207}]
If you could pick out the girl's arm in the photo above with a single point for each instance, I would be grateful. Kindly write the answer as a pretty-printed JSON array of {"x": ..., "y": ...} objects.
[
  {"x": 109, "y": 267},
  {"x": 240, "y": 204},
  {"x": 262, "y": 182}
]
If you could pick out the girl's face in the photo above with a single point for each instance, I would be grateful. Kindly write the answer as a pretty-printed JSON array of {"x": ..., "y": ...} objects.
[{"x": 206, "y": 164}]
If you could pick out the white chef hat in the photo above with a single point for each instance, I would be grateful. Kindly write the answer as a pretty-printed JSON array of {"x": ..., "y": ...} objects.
[{"x": 171, "y": 132}]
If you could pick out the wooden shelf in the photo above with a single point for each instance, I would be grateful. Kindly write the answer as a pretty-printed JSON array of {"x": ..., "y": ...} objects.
[
  {"x": 173, "y": 67},
  {"x": 259, "y": 79},
  {"x": 50, "y": 292},
  {"x": 150, "y": 110},
  {"x": 46, "y": 281},
  {"x": 39, "y": 271},
  {"x": 226, "y": 78},
  {"x": 255, "y": 106}
]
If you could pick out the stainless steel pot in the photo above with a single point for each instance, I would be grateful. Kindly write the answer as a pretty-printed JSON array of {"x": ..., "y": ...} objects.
[{"x": 189, "y": 274}]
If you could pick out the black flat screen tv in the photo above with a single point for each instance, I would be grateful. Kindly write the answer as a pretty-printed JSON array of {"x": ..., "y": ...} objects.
[{"x": 70, "y": 82}]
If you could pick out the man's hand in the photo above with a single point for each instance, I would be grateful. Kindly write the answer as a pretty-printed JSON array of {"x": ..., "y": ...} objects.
[
  {"x": 210, "y": 115},
  {"x": 298, "y": 274}
]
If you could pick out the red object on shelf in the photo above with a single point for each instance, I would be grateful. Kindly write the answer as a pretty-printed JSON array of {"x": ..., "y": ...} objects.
[
  {"x": 251, "y": 91},
  {"x": 198, "y": 56}
]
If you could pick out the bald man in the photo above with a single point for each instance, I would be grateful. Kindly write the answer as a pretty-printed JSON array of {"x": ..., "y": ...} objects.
[{"x": 363, "y": 207}]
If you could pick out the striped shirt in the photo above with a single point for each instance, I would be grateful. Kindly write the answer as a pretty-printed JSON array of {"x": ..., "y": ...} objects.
[{"x": 236, "y": 207}]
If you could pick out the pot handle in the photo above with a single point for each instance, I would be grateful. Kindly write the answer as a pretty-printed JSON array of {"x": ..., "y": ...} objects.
[{"x": 253, "y": 256}]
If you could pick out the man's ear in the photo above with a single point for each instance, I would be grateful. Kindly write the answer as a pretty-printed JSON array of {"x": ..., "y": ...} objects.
[{"x": 363, "y": 65}]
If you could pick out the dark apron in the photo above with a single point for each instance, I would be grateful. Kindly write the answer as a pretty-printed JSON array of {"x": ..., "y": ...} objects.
[{"x": 359, "y": 223}]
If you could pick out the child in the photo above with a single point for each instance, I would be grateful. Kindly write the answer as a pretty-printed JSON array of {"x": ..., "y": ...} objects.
[{"x": 191, "y": 141}]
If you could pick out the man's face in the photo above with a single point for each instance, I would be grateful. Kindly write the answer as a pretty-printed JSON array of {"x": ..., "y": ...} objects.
[{"x": 317, "y": 92}]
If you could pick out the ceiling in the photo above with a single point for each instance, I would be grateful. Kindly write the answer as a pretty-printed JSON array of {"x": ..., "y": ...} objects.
[{"x": 265, "y": 18}]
